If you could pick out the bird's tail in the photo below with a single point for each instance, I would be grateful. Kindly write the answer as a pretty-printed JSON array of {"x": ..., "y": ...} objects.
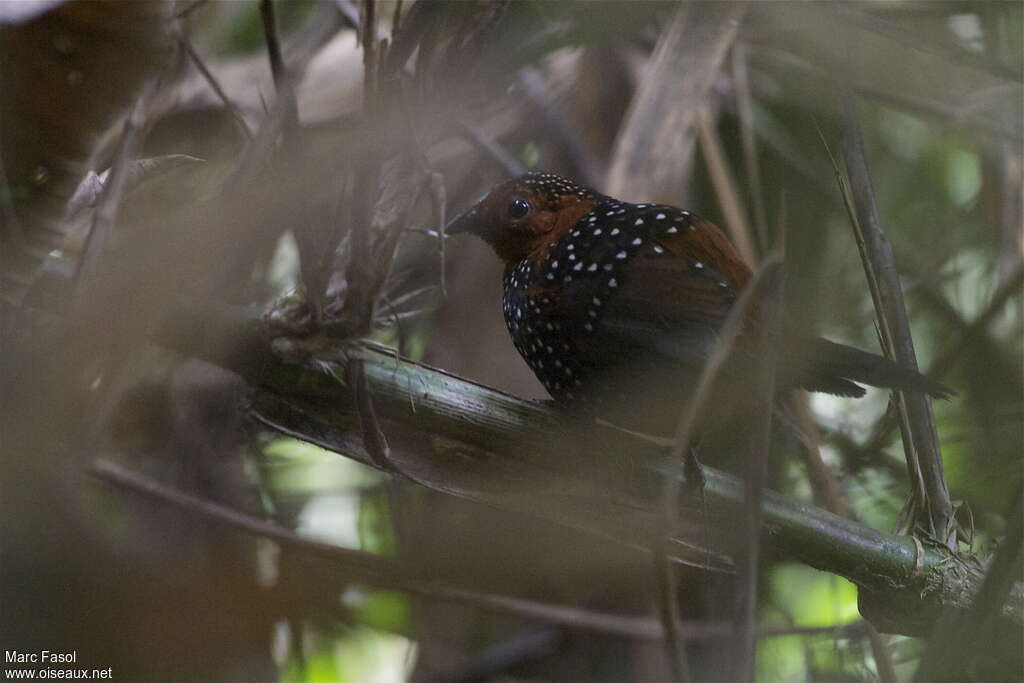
[{"x": 836, "y": 367}]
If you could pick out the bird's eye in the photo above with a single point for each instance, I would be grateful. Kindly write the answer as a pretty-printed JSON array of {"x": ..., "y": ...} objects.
[{"x": 518, "y": 208}]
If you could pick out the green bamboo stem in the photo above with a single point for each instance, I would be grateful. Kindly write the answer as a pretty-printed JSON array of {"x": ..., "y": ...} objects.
[{"x": 468, "y": 440}]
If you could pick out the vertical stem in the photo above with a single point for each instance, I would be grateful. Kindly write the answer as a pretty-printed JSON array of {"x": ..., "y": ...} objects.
[
  {"x": 273, "y": 44},
  {"x": 360, "y": 297},
  {"x": 685, "y": 427},
  {"x": 724, "y": 183},
  {"x": 745, "y": 107},
  {"x": 919, "y": 436},
  {"x": 768, "y": 322}
]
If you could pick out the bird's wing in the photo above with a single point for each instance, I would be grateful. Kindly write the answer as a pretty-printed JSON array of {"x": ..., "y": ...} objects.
[{"x": 676, "y": 291}]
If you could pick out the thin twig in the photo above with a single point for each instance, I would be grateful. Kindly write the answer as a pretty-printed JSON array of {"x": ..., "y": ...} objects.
[
  {"x": 386, "y": 572},
  {"x": 919, "y": 436},
  {"x": 374, "y": 441},
  {"x": 214, "y": 84},
  {"x": 369, "y": 38},
  {"x": 360, "y": 298},
  {"x": 768, "y": 324},
  {"x": 583, "y": 163},
  {"x": 968, "y": 333},
  {"x": 267, "y": 15},
  {"x": 284, "y": 85},
  {"x": 883, "y": 655},
  {"x": 752, "y": 166},
  {"x": 380, "y": 570},
  {"x": 680, "y": 445},
  {"x": 946, "y": 114},
  {"x": 653, "y": 151},
  {"x": 933, "y": 44},
  {"x": 440, "y": 204},
  {"x": 724, "y": 183},
  {"x": 105, "y": 216},
  {"x": 396, "y": 21},
  {"x": 189, "y": 9},
  {"x": 492, "y": 148},
  {"x": 824, "y": 487},
  {"x": 1011, "y": 286},
  {"x": 828, "y": 495}
]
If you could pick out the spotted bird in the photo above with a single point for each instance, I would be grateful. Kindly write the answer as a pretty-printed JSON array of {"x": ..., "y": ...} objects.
[{"x": 617, "y": 307}]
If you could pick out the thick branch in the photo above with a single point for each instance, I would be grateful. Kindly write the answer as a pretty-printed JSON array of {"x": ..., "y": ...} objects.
[{"x": 464, "y": 439}]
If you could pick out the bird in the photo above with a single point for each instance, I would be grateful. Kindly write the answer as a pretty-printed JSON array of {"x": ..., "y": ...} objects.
[{"x": 617, "y": 307}]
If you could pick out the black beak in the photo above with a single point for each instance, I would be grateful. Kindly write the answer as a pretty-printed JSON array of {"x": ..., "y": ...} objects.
[{"x": 465, "y": 222}]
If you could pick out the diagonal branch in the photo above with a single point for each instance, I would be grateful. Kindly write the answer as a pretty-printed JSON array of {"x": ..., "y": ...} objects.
[{"x": 464, "y": 439}]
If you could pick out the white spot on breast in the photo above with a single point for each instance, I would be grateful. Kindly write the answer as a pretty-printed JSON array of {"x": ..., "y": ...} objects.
[
  {"x": 637, "y": 241},
  {"x": 592, "y": 267},
  {"x": 660, "y": 217},
  {"x": 613, "y": 283},
  {"x": 597, "y": 231},
  {"x": 588, "y": 327},
  {"x": 578, "y": 266},
  {"x": 615, "y": 231},
  {"x": 621, "y": 255},
  {"x": 658, "y": 249},
  {"x": 698, "y": 264},
  {"x": 672, "y": 230},
  {"x": 597, "y": 302},
  {"x": 639, "y": 221}
]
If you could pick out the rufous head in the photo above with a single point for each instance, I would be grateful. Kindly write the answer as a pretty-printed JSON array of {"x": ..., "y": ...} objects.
[{"x": 521, "y": 217}]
